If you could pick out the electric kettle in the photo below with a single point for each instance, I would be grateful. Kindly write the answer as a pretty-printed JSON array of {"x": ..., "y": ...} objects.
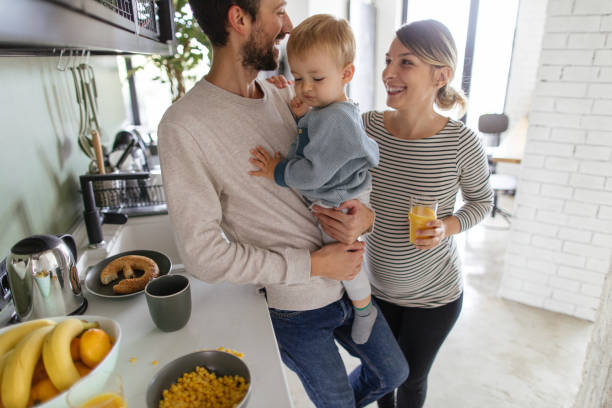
[{"x": 43, "y": 277}]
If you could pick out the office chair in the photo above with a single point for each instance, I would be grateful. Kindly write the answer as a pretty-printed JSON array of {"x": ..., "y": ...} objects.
[{"x": 491, "y": 126}]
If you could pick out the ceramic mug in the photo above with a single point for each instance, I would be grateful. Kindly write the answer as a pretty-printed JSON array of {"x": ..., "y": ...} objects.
[{"x": 169, "y": 301}]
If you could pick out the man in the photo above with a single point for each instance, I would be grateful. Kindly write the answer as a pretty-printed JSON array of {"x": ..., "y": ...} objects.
[{"x": 204, "y": 143}]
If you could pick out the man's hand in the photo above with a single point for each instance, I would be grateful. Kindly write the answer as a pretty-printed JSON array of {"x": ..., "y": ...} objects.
[
  {"x": 337, "y": 261},
  {"x": 343, "y": 226},
  {"x": 264, "y": 162}
]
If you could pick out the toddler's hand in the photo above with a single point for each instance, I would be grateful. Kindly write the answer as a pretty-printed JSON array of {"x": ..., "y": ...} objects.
[
  {"x": 298, "y": 107},
  {"x": 279, "y": 81},
  {"x": 264, "y": 162}
]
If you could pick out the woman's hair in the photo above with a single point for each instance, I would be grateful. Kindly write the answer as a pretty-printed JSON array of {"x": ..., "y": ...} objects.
[
  {"x": 323, "y": 32},
  {"x": 433, "y": 43},
  {"x": 211, "y": 15}
]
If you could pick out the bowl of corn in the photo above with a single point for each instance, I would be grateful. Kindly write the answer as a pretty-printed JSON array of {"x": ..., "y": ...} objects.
[{"x": 211, "y": 378}]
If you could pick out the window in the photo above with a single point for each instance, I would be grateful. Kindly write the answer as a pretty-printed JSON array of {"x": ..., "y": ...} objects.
[{"x": 492, "y": 47}]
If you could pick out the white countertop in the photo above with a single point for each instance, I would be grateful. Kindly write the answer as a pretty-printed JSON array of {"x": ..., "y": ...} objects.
[{"x": 232, "y": 316}]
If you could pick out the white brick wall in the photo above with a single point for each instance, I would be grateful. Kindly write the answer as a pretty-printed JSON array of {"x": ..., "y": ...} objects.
[
  {"x": 561, "y": 238},
  {"x": 525, "y": 70}
]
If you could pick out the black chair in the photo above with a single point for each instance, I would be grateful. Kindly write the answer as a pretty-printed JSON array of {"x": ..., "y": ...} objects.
[{"x": 491, "y": 126}]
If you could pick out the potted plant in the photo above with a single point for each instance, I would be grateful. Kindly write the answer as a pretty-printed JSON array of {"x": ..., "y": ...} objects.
[{"x": 192, "y": 45}]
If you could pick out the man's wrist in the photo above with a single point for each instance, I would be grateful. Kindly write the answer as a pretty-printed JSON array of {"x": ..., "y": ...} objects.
[
  {"x": 314, "y": 257},
  {"x": 371, "y": 218}
]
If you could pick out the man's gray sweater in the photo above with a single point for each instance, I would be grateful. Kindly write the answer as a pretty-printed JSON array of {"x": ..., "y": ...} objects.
[{"x": 204, "y": 142}]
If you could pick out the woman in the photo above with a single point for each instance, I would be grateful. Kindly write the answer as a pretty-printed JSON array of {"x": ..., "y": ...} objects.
[
  {"x": 422, "y": 153},
  {"x": 418, "y": 286}
]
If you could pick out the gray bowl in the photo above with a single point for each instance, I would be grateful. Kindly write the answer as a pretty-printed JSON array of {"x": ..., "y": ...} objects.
[{"x": 219, "y": 362}]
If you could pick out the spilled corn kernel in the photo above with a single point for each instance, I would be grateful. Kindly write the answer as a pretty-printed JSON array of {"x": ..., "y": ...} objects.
[{"x": 234, "y": 352}]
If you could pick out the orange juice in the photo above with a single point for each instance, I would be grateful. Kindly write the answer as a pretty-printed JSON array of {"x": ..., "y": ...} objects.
[
  {"x": 106, "y": 400},
  {"x": 419, "y": 216}
]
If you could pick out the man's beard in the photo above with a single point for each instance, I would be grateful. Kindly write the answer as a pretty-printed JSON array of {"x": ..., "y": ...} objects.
[{"x": 257, "y": 56}]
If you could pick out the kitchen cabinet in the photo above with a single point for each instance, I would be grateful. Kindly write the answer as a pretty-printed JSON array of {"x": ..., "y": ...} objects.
[{"x": 44, "y": 27}]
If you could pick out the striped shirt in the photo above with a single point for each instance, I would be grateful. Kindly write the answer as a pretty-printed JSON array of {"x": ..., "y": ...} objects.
[{"x": 437, "y": 166}]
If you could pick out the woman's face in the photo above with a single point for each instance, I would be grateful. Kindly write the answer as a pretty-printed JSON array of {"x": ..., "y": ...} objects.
[{"x": 410, "y": 82}]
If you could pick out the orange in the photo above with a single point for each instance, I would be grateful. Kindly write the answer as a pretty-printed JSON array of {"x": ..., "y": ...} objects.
[
  {"x": 43, "y": 391},
  {"x": 82, "y": 368},
  {"x": 94, "y": 346},
  {"x": 75, "y": 344},
  {"x": 39, "y": 372}
]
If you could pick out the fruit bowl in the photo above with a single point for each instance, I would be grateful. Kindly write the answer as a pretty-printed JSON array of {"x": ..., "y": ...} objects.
[{"x": 91, "y": 383}]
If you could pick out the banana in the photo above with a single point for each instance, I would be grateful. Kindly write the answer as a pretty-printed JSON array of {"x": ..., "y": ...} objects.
[
  {"x": 3, "y": 360},
  {"x": 11, "y": 337},
  {"x": 56, "y": 352},
  {"x": 19, "y": 368}
]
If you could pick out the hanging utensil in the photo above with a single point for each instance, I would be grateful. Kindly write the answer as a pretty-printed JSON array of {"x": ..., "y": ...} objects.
[
  {"x": 82, "y": 111},
  {"x": 90, "y": 92},
  {"x": 98, "y": 148},
  {"x": 85, "y": 140}
]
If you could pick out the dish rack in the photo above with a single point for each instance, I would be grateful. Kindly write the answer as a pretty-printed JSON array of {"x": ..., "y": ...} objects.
[
  {"x": 121, "y": 193},
  {"x": 118, "y": 194}
]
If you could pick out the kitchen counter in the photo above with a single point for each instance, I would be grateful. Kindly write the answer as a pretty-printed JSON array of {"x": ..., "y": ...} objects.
[{"x": 232, "y": 316}]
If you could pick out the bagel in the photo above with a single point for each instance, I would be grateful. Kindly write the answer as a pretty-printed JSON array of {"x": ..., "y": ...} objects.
[{"x": 130, "y": 282}]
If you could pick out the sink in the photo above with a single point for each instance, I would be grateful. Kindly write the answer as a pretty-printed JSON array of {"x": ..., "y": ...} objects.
[{"x": 151, "y": 232}]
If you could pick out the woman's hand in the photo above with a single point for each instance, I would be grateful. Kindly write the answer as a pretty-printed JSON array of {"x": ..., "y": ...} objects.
[
  {"x": 264, "y": 162},
  {"x": 346, "y": 222},
  {"x": 437, "y": 230},
  {"x": 337, "y": 261},
  {"x": 279, "y": 81}
]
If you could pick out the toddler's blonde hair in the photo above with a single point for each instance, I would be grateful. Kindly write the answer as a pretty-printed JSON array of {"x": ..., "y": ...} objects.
[{"x": 323, "y": 32}]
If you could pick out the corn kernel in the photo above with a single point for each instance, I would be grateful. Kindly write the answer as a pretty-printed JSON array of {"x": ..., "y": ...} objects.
[{"x": 201, "y": 388}]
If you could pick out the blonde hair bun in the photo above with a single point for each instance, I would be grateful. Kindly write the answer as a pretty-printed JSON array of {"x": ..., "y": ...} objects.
[{"x": 448, "y": 97}]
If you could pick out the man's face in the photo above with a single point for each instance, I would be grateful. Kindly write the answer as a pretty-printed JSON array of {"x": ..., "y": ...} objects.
[{"x": 261, "y": 51}]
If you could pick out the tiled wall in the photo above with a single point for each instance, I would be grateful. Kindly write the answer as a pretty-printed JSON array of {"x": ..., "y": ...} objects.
[{"x": 561, "y": 237}]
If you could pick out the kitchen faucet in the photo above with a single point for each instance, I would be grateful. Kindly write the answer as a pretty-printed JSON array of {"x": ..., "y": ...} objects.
[{"x": 91, "y": 214}]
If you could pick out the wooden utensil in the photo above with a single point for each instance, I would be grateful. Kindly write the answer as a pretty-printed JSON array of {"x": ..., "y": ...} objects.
[{"x": 98, "y": 148}]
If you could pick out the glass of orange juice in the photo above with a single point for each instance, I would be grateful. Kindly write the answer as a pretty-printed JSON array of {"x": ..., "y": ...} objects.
[
  {"x": 109, "y": 396},
  {"x": 422, "y": 210}
]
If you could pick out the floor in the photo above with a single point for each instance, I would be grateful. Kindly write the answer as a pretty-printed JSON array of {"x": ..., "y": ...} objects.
[{"x": 501, "y": 353}]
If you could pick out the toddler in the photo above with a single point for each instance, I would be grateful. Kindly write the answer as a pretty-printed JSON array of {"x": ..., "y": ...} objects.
[{"x": 329, "y": 161}]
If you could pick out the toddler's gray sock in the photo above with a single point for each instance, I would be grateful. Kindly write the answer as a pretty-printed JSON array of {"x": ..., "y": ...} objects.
[{"x": 363, "y": 322}]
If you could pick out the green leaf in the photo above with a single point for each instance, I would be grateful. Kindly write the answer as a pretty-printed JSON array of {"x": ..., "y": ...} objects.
[{"x": 192, "y": 44}]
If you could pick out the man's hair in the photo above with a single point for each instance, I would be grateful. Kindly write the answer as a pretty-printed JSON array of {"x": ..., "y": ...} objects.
[
  {"x": 323, "y": 31},
  {"x": 211, "y": 15}
]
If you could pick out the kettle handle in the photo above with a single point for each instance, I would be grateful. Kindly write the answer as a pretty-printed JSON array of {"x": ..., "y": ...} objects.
[{"x": 69, "y": 240}]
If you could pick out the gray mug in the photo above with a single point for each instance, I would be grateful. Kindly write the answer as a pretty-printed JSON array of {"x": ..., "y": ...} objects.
[{"x": 169, "y": 301}]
